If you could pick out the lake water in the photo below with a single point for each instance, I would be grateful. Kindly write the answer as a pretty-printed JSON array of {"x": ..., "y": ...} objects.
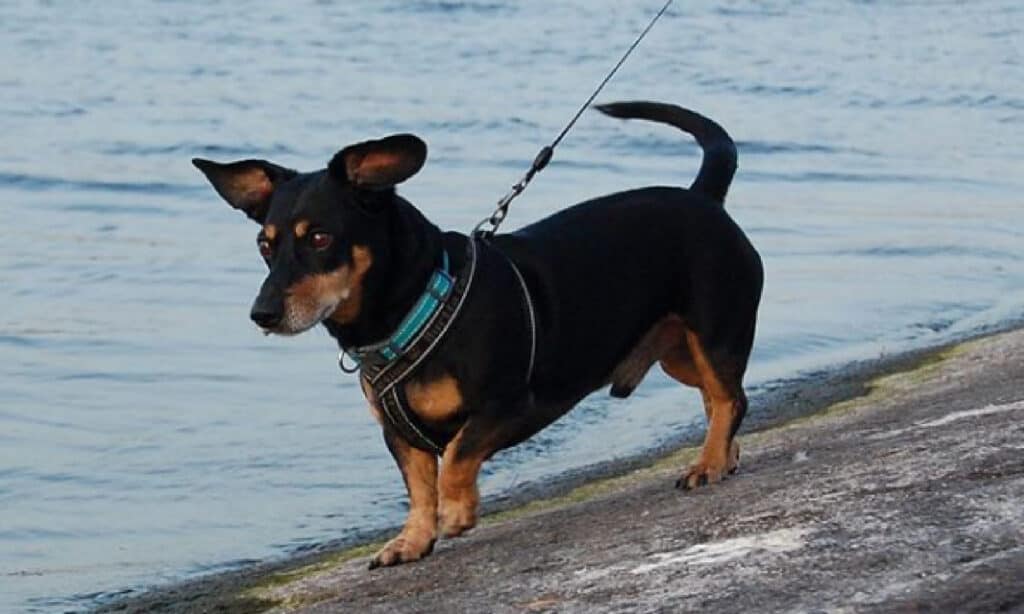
[{"x": 148, "y": 431}]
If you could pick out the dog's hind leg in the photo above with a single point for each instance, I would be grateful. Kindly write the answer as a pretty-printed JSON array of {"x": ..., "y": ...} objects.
[{"x": 725, "y": 404}]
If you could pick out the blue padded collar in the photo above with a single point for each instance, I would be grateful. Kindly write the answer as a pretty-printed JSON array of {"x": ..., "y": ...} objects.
[{"x": 439, "y": 288}]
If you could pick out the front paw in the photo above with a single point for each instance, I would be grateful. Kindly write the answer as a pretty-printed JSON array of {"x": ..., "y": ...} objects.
[
  {"x": 405, "y": 548},
  {"x": 457, "y": 516}
]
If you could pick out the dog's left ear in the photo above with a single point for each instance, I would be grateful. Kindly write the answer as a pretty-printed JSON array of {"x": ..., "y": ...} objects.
[{"x": 381, "y": 164}]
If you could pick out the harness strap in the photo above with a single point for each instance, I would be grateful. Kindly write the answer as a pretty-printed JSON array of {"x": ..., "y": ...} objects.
[
  {"x": 385, "y": 375},
  {"x": 386, "y": 378},
  {"x": 531, "y": 317}
]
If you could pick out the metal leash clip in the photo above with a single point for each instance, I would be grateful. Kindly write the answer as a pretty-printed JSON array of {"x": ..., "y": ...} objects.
[
  {"x": 496, "y": 218},
  {"x": 542, "y": 159}
]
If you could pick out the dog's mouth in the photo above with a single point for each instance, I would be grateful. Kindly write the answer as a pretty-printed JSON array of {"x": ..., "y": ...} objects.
[
  {"x": 297, "y": 321},
  {"x": 311, "y": 300}
]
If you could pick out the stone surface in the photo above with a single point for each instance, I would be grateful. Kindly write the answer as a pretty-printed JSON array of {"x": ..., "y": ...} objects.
[{"x": 908, "y": 498}]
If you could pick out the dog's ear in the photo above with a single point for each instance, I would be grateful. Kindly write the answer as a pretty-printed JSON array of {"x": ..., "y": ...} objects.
[
  {"x": 379, "y": 165},
  {"x": 247, "y": 185}
]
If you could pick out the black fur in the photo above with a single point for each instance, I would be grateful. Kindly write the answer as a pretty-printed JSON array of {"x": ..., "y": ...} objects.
[{"x": 601, "y": 274}]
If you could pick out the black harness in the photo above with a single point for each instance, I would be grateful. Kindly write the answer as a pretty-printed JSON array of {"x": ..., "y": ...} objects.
[{"x": 385, "y": 366}]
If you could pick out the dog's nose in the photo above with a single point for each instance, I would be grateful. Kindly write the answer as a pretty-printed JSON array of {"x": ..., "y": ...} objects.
[{"x": 265, "y": 318}]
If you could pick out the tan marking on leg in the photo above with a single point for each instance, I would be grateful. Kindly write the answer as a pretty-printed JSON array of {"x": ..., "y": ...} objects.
[
  {"x": 459, "y": 496},
  {"x": 720, "y": 401},
  {"x": 678, "y": 364},
  {"x": 301, "y": 228},
  {"x": 437, "y": 399},
  {"x": 270, "y": 232},
  {"x": 416, "y": 540},
  {"x": 733, "y": 463}
]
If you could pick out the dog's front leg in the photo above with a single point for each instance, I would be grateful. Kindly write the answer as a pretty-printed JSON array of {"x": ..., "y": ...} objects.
[
  {"x": 478, "y": 439},
  {"x": 460, "y": 498},
  {"x": 419, "y": 470}
]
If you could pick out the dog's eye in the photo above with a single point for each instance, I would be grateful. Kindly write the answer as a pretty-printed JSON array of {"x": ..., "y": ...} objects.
[
  {"x": 265, "y": 249},
  {"x": 320, "y": 240}
]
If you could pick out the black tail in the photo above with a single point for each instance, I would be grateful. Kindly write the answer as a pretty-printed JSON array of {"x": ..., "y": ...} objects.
[{"x": 719, "y": 163}]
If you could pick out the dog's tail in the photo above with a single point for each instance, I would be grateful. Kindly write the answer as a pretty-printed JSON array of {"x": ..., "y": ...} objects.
[{"x": 719, "y": 164}]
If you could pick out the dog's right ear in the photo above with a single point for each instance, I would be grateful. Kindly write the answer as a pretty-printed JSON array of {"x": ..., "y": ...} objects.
[{"x": 247, "y": 185}]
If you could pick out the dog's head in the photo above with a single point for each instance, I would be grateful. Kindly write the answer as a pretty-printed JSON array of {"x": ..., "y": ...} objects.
[{"x": 317, "y": 229}]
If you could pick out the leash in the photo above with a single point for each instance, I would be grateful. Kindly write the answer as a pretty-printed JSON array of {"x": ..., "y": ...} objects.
[{"x": 544, "y": 156}]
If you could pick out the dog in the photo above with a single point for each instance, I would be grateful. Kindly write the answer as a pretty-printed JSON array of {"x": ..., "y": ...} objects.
[{"x": 519, "y": 327}]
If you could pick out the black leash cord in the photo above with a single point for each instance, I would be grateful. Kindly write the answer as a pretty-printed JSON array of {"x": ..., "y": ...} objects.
[{"x": 545, "y": 154}]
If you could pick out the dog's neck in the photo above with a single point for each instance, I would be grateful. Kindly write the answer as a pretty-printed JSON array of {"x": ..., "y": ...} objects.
[{"x": 409, "y": 253}]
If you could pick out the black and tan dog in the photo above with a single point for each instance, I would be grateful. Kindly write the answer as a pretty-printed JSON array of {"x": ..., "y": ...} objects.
[{"x": 593, "y": 295}]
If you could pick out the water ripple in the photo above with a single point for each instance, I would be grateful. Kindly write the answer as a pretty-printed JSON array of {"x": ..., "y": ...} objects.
[{"x": 43, "y": 182}]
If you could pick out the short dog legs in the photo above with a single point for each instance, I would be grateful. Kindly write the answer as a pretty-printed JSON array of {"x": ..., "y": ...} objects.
[
  {"x": 720, "y": 454},
  {"x": 459, "y": 495},
  {"x": 479, "y": 438},
  {"x": 724, "y": 405},
  {"x": 419, "y": 470}
]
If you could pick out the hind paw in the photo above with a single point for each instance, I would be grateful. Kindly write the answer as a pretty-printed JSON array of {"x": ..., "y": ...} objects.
[
  {"x": 700, "y": 474},
  {"x": 705, "y": 472}
]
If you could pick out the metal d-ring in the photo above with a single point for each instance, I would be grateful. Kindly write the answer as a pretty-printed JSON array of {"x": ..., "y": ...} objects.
[{"x": 341, "y": 362}]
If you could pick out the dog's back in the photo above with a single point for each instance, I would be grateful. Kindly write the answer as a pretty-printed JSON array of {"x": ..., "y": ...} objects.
[{"x": 604, "y": 271}]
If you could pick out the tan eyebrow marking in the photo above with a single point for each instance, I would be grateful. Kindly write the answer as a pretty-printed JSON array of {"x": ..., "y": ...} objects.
[
  {"x": 270, "y": 231},
  {"x": 301, "y": 228}
]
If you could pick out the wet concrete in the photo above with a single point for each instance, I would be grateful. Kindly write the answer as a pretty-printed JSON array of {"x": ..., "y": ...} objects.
[{"x": 908, "y": 498}]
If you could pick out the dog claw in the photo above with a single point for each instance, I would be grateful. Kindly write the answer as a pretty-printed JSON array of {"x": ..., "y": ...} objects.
[
  {"x": 401, "y": 550},
  {"x": 698, "y": 475}
]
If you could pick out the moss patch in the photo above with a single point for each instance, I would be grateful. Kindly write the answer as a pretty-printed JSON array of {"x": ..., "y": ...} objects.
[{"x": 268, "y": 590}]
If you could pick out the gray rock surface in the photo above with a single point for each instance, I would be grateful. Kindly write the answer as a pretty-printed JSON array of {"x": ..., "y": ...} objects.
[{"x": 909, "y": 498}]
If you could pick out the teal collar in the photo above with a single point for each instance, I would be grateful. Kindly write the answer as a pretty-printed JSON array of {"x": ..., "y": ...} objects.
[{"x": 439, "y": 288}]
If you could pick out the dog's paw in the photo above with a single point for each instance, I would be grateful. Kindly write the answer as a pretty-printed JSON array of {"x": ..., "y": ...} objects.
[
  {"x": 405, "y": 548},
  {"x": 703, "y": 473},
  {"x": 710, "y": 470},
  {"x": 456, "y": 517}
]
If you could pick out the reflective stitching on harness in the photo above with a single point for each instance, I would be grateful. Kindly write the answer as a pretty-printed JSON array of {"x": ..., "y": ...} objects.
[
  {"x": 439, "y": 287},
  {"x": 385, "y": 380},
  {"x": 532, "y": 316},
  {"x": 402, "y": 411},
  {"x": 469, "y": 280}
]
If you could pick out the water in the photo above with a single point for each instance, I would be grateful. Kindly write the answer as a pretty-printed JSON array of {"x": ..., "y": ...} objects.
[{"x": 148, "y": 432}]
